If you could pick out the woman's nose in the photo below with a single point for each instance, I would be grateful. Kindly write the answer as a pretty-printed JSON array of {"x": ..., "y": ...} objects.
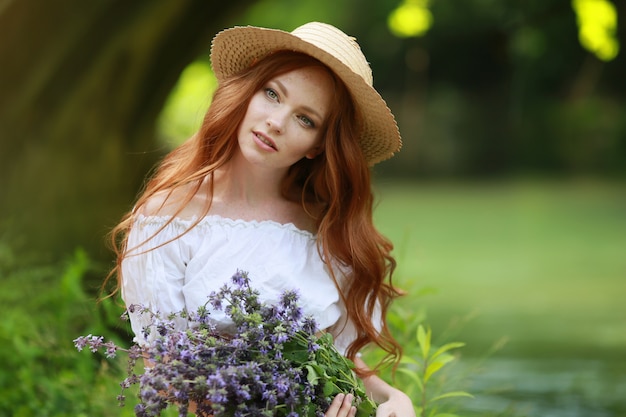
[{"x": 276, "y": 121}]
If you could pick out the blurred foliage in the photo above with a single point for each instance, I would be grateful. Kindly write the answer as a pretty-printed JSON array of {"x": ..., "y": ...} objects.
[
  {"x": 411, "y": 18},
  {"x": 82, "y": 85},
  {"x": 425, "y": 373},
  {"x": 597, "y": 27},
  {"x": 44, "y": 308},
  {"x": 486, "y": 88},
  {"x": 182, "y": 115}
]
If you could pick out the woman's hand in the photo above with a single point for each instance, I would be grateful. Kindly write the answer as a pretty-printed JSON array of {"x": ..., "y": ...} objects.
[
  {"x": 391, "y": 401},
  {"x": 397, "y": 405},
  {"x": 341, "y": 406}
]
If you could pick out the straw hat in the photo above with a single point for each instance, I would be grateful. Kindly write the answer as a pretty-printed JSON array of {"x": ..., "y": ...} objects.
[{"x": 233, "y": 50}]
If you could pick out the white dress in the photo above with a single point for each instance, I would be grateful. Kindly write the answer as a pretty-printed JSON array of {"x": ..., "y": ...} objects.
[{"x": 182, "y": 273}]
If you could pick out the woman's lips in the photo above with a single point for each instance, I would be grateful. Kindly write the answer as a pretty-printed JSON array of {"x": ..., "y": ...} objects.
[{"x": 266, "y": 140}]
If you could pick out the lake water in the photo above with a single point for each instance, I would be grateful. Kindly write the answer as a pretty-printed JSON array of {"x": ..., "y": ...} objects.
[{"x": 549, "y": 388}]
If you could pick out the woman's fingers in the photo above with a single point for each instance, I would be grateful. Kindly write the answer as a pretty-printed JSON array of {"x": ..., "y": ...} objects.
[{"x": 341, "y": 406}]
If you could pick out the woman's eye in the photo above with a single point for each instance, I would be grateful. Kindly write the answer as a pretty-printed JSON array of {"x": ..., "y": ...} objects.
[
  {"x": 269, "y": 92},
  {"x": 306, "y": 121}
]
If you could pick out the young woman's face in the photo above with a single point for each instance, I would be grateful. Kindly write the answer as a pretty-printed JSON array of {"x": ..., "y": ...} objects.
[{"x": 284, "y": 120}]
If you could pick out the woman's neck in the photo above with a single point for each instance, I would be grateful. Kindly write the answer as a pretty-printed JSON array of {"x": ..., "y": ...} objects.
[
  {"x": 255, "y": 195},
  {"x": 236, "y": 183}
]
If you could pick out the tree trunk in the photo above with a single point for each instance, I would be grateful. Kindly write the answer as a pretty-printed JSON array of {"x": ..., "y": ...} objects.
[{"x": 82, "y": 83}]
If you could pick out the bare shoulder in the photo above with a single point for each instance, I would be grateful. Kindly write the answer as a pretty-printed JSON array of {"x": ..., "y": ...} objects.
[
  {"x": 185, "y": 202},
  {"x": 305, "y": 219}
]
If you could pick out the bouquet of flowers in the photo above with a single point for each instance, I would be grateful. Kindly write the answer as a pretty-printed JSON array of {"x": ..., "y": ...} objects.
[{"x": 276, "y": 362}]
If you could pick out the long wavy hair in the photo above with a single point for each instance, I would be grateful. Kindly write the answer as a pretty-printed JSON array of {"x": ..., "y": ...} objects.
[{"x": 334, "y": 187}]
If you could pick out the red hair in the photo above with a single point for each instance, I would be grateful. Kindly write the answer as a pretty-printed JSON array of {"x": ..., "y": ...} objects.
[{"x": 335, "y": 188}]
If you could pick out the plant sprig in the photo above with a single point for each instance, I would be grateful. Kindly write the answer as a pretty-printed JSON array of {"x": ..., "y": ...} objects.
[{"x": 274, "y": 362}]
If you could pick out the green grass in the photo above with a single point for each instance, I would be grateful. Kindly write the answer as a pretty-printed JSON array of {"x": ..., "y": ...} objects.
[{"x": 542, "y": 264}]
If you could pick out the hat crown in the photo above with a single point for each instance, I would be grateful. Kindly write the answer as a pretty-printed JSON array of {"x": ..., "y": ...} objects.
[{"x": 336, "y": 43}]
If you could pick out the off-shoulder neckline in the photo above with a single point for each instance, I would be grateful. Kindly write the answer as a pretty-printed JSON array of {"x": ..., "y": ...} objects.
[{"x": 215, "y": 218}]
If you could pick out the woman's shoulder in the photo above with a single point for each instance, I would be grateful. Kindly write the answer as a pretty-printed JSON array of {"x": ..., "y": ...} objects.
[
  {"x": 303, "y": 219},
  {"x": 305, "y": 216},
  {"x": 184, "y": 202}
]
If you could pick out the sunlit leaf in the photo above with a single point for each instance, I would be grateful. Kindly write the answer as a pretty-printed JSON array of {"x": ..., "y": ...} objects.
[
  {"x": 423, "y": 338},
  {"x": 446, "y": 348},
  {"x": 451, "y": 395},
  {"x": 436, "y": 365}
]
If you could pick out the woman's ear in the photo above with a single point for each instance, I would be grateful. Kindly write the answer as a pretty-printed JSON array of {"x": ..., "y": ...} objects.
[{"x": 314, "y": 152}]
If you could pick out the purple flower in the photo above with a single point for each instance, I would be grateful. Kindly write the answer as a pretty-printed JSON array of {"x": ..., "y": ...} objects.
[
  {"x": 134, "y": 352},
  {"x": 140, "y": 410},
  {"x": 270, "y": 397},
  {"x": 295, "y": 313},
  {"x": 126, "y": 383},
  {"x": 260, "y": 369},
  {"x": 309, "y": 325},
  {"x": 240, "y": 279},
  {"x": 111, "y": 349},
  {"x": 215, "y": 301},
  {"x": 148, "y": 393},
  {"x": 282, "y": 385},
  {"x": 289, "y": 298},
  {"x": 238, "y": 343},
  {"x": 243, "y": 393},
  {"x": 95, "y": 342},
  {"x": 81, "y": 342}
]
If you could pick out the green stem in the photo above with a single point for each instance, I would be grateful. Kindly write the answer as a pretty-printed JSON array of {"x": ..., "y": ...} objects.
[{"x": 424, "y": 388}]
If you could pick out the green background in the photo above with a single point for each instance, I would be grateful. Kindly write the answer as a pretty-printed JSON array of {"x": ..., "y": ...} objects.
[{"x": 506, "y": 205}]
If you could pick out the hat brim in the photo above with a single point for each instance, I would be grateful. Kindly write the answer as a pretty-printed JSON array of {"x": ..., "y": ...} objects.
[{"x": 235, "y": 49}]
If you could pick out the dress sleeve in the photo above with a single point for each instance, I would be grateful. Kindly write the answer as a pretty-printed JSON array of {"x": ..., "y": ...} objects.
[{"x": 153, "y": 272}]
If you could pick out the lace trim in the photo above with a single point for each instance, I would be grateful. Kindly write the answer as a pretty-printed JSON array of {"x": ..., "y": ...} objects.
[{"x": 213, "y": 219}]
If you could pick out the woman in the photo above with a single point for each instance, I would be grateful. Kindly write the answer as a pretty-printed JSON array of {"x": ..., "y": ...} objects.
[{"x": 276, "y": 183}]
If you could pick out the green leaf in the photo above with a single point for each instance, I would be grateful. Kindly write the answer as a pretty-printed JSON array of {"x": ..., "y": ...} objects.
[
  {"x": 436, "y": 366},
  {"x": 311, "y": 375},
  {"x": 445, "y": 415},
  {"x": 329, "y": 389},
  {"x": 452, "y": 394},
  {"x": 413, "y": 376},
  {"x": 409, "y": 360},
  {"x": 366, "y": 408},
  {"x": 423, "y": 339},
  {"x": 447, "y": 347},
  {"x": 297, "y": 356}
]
